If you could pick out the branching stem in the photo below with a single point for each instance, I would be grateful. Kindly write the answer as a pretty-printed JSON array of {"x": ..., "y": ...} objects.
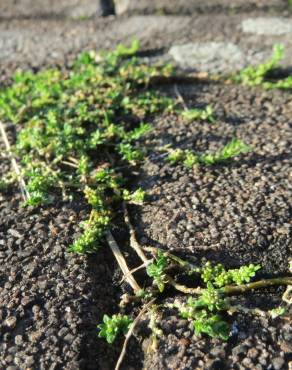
[{"x": 264, "y": 283}]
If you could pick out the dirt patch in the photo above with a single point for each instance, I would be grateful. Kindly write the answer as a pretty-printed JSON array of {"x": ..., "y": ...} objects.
[{"x": 235, "y": 213}]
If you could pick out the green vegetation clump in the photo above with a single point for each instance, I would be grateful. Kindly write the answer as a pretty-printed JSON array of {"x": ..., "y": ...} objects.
[
  {"x": 219, "y": 276},
  {"x": 206, "y": 114},
  {"x": 76, "y": 126},
  {"x": 259, "y": 74},
  {"x": 156, "y": 270},
  {"x": 113, "y": 326},
  {"x": 208, "y": 310},
  {"x": 232, "y": 149}
]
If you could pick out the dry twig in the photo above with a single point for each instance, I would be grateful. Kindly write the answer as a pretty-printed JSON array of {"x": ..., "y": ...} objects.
[
  {"x": 130, "y": 332},
  {"x": 180, "y": 98},
  {"x": 122, "y": 262},
  {"x": 133, "y": 241},
  {"x": 24, "y": 192}
]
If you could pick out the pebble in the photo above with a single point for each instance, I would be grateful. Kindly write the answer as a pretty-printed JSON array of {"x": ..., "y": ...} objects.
[
  {"x": 10, "y": 322},
  {"x": 278, "y": 363}
]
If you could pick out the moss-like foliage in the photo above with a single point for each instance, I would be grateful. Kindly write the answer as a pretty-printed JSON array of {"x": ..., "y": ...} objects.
[{"x": 73, "y": 127}]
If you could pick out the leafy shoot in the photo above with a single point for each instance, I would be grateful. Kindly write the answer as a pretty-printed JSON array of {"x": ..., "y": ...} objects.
[
  {"x": 113, "y": 326},
  {"x": 206, "y": 114},
  {"x": 156, "y": 270}
]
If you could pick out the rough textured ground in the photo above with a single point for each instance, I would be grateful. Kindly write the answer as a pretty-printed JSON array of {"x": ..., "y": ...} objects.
[
  {"x": 50, "y": 300},
  {"x": 236, "y": 213}
]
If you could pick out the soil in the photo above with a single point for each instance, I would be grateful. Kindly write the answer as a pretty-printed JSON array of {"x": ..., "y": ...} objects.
[{"x": 236, "y": 213}]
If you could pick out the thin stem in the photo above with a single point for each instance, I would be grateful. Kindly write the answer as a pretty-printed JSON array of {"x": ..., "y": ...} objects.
[
  {"x": 145, "y": 264},
  {"x": 24, "y": 192},
  {"x": 70, "y": 164},
  {"x": 254, "y": 311},
  {"x": 130, "y": 333},
  {"x": 239, "y": 289},
  {"x": 180, "y": 98},
  {"x": 122, "y": 262},
  {"x": 287, "y": 296},
  {"x": 178, "y": 260},
  {"x": 133, "y": 241},
  {"x": 182, "y": 288}
]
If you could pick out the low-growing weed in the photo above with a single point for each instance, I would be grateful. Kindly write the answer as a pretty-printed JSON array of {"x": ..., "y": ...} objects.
[
  {"x": 255, "y": 75},
  {"x": 219, "y": 276},
  {"x": 113, "y": 326},
  {"x": 74, "y": 126},
  {"x": 232, "y": 149},
  {"x": 156, "y": 270},
  {"x": 259, "y": 74},
  {"x": 206, "y": 114}
]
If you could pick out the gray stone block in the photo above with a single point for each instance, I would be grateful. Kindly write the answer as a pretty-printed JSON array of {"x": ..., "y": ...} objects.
[
  {"x": 54, "y": 8},
  {"x": 190, "y": 6},
  {"x": 208, "y": 56},
  {"x": 267, "y": 26}
]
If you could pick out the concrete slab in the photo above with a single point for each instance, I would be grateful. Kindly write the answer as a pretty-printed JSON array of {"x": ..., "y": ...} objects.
[
  {"x": 53, "y": 8},
  {"x": 190, "y": 6}
]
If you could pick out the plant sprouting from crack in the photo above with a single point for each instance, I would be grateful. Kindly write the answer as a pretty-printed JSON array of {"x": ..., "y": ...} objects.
[{"x": 261, "y": 73}]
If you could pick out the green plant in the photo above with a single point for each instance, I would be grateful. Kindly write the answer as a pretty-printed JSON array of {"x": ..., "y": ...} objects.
[
  {"x": 94, "y": 230},
  {"x": 276, "y": 312},
  {"x": 112, "y": 326},
  {"x": 232, "y": 149},
  {"x": 156, "y": 270},
  {"x": 206, "y": 114},
  {"x": 261, "y": 74},
  {"x": 206, "y": 311},
  {"x": 76, "y": 127},
  {"x": 253, "y": 76},
  {"x": 212, "y": 325},
  {"x": 137, "y": 197},
  {"x": 219, "y": 276}
]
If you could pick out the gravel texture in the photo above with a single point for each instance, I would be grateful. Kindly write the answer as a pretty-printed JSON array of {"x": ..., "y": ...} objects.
[
  {"x": 50, "y": 300},
  {"x": 237, "y": 213}
]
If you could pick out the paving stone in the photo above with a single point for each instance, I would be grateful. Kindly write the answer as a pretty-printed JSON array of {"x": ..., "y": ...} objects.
[
  {"x": 214, "y": 56},
  {"x": 53, "y": 8},
  {"x": 190, "y": 6},
  {"x": 55, "y": 41},
  {"x": 267, "y": 26}
]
